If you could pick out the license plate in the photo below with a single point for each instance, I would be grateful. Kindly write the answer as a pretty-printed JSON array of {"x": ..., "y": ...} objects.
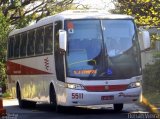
[{"x": 108, "y": 97}]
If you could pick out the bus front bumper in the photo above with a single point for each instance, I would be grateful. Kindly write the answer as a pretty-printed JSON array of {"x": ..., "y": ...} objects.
[{"x": 84, "y": 98}]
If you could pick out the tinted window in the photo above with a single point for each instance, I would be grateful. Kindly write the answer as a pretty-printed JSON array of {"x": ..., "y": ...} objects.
[
  {"x": 11, "y": 47},
  {"x": 23, "y": 44},
  {"x": 102, "y": 49},
  {"x": 48, "y": 39},
  {"x": 84, "y": 47},
  {"x": 16, "y": 46},
  {"x": 57, "y": 27},
  {"x": 59, "y": 61},
  {"x": 31, "y": 43},
  {"x": 39, "y": 41}
]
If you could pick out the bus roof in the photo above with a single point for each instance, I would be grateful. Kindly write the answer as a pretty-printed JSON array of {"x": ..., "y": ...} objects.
[
  {"x": 72, "y": 14},
  {"x": 89, "y": 14}
]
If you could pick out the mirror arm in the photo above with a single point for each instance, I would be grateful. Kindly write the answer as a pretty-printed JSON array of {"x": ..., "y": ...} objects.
[
  {"x": 62, "y": 51},
  {"x": 148, "y": 49}
]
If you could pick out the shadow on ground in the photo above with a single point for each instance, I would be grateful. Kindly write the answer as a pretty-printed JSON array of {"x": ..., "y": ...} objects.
[{"x": 77, "y": 110}]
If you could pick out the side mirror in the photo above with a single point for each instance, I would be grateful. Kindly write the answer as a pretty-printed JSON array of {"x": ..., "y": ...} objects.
[
  {"x": 144, "y": 40},
  {"x": 63, "y": 39}
]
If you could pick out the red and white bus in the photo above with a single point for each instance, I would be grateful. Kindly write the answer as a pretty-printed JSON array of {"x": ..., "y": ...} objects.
[{"x": 76, "y": 58}]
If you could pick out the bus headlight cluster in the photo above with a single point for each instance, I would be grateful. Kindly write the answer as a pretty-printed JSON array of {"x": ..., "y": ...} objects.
[
  {"x": 74, "y": 86},
  {"x": 134, "y": 84}
]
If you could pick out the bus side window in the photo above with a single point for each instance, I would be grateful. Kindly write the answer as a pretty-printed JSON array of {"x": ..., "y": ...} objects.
[
  {"x": 23, "y": 44},
  {"x": 31, "y": 43},
  {"x": 11, "y": 47},
  {"x": 16, "y": 46},
  {"x": 48, "y": 39},
  {"x": 39, "y": 41}
]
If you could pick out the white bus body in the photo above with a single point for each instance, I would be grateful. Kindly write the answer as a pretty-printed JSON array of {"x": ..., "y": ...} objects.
[{"x": 76, "y": 78}]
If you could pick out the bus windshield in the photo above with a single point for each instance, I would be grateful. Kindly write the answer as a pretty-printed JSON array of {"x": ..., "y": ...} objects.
[{"x": 102, "y": 49}]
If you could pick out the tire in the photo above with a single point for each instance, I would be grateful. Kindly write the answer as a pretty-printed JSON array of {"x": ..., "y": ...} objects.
[
  {"x": 53, "y": 100},
  {"x": 118, "y": 107},
  {"x": 18, "y": 92},
  {"x": 23, "y": 103},
  {"x": 60, "y": 109},
  {"x": 52, "y": 95},
  {"x": 28, "y": 104}
]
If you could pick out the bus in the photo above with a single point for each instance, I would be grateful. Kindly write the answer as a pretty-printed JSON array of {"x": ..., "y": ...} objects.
[{"x": 77, "y": 58}]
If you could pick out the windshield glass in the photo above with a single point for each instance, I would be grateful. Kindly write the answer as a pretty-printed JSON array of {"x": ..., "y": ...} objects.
[{"x": 102, "y": 49}]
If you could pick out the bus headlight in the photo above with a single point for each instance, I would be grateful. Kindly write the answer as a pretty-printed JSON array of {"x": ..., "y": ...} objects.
[
  {"x": 74, "y": 86},
  {"x": 134, "y": 84}
]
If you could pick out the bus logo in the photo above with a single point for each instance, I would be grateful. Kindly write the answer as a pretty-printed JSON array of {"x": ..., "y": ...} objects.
[
  {"x": 106, "y": 82},
  {"x": 106, "y": 87}
]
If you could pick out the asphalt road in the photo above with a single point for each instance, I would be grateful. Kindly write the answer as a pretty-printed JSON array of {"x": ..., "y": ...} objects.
[{"x": 46, "y": 111}]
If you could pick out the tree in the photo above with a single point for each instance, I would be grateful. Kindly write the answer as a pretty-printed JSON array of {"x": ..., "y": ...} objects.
[
  {"x": 4, "y": 30},
  {"x": 21, "y": 12},
  {"x": 146, "y": 12}
]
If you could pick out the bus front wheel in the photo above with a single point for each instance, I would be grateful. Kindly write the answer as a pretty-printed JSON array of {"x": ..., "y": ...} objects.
[
  {"x": 118, "y": 107},
  {"x": 53, "y": 100}
]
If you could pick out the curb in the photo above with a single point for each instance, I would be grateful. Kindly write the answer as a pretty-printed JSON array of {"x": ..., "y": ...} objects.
[{"x": 151, "y": 107}]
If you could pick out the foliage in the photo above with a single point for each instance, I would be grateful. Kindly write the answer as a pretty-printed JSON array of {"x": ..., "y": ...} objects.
[
  {"x": 154, "y": 37},
  {"x": 6, "y": 95},
  {"x": 156, "y": 55},
  {"x": 4, "y": 26},
  {"x": 151, "y": 83},
  {"x": 146, "y": 12},
  {"x": 151, "y": 76},
  {"x": 22, "y": 12},
  {"x": 4, "y": 29},
  {"x": 2, "y": 74}
]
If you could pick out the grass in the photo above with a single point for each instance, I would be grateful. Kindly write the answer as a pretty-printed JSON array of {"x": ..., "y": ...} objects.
[{"x": 6, "y": 95}]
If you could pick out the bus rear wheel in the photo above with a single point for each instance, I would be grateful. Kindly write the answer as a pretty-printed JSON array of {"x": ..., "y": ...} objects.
[
  {"x": 24, "y": 103},
  {"x": 28, "y": 104},
  {"x": 118, "y": 107},
  {"x": 18, "y": 92},
  {"x": 52, "y": 95}
]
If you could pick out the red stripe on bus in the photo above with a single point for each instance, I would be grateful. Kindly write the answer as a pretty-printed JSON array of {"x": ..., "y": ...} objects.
[
  {"x": 106, "y": 88},
  {"x": 19, "y": 69}
]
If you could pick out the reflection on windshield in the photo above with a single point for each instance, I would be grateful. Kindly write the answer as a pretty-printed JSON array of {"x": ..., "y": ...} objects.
[
  {"x": 118, "y": 36},
  {"x": 84, "y": 44},
  {"x": 98, "y": 52}
]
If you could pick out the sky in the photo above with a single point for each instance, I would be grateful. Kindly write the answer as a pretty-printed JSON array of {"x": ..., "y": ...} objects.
[{"x": 97, "y": 4}]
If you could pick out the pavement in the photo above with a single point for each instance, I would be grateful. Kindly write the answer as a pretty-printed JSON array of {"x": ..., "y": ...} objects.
[
  {"x": 133, "y": 107},
  {"x": 98, "y": 111},
  {"x": 14, "y": 102}
]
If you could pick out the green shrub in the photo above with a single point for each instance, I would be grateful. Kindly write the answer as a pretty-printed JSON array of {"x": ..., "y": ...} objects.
[
  {"x": 151, "y": 77},
  {"x": 156, "y": 55},
  {"x": 6, "y": 95},
  {"x": 2, "y": 75}
]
